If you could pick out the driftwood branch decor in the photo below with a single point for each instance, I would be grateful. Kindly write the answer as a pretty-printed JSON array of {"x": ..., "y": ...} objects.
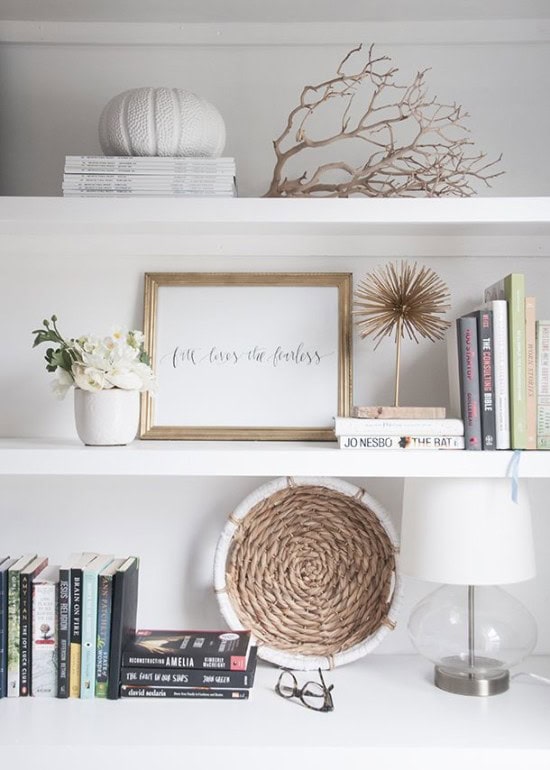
[{"x": 411, "y": 145}]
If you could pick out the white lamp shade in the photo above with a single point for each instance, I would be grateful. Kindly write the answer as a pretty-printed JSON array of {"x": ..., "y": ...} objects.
[{"x": 466, "y": 531}]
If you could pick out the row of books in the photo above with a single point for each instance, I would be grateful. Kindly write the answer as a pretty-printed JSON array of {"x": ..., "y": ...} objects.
[
  {"x": 103, "y": 176},
  {"x": 398, "y": 433},
  {"x": 499, "y": 370},
  {"x": 188, "y": 664},
  {"x": 63, "y": 627}
]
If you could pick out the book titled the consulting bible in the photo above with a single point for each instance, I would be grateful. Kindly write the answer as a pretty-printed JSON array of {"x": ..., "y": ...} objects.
[{"x": 227, "y": 650}]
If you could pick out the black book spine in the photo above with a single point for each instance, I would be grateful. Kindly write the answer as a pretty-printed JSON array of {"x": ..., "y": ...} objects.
[
  {"x": 190, "y": 678},
  {"x": 123, "y": 622},
  {"x": 129, "y": 691},
  {"x": 469, "y": 381},
  {"x": 75, "y": 625},
  {"x": 3, "y": 632},
  {"x": 486, "y": 377},
  {"x": 63, "y": 649},
  {"x": 25, "y": 615}
]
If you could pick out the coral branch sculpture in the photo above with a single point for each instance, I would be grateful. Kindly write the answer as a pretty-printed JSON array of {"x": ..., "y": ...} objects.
[
  {"x": 398, "y": 298},
  {"x": 411, "y": 145}
]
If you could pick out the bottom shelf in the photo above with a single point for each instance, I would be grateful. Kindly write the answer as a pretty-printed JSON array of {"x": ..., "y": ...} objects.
[{"x": 386, "y": 710}]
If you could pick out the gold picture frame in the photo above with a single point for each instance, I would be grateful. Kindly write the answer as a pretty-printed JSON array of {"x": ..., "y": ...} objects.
[{"x": 238, "y": 380}]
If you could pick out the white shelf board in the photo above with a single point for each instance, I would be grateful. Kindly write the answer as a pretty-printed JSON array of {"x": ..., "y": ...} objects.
[
  {"x": 396, "y": 216},
  {"x": 386, "y": 709},
  {"x": 39, "y": 457}
]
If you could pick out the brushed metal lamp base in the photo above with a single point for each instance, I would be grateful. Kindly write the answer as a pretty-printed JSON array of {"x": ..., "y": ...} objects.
[{"x": 491, "y": 680}]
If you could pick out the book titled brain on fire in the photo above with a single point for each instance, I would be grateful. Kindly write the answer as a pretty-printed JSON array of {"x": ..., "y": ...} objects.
[{"x": 227, "y": 650}]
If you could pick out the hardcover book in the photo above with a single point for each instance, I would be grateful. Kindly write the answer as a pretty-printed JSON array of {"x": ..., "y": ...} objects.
[
  {"x": 104, "y": 612},
  {"x": 401, "y": 442},
  {"x": 177, "y": 677},
  {"x": 131, "y": 691},
  {"x": 89, "y": 623},
  {"x": 25, "y": 619},
  {"x": 14, "y": 623},
  {"x": 64, "y": 627},
  {"x": 512, "y": 289},
  {"x": 5, "y": 564},
  {"x": 45, "y": 594},
  {"x": 484, "y": 319},
  {"x": 468, "y": 375},
  {"x": 227, "y": 650},
  {"x": 358, "y": 426},
  {"x": 531, "y": 372},
  {"x": 499, "y": 308},
  {"x": 76, "y": 623},
  {"x": 543, "y": 385},
  {"x": 124, "y": 616}
]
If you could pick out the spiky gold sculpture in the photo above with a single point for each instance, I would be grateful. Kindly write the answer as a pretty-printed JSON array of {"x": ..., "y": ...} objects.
[{"x": 398, "y": 298}]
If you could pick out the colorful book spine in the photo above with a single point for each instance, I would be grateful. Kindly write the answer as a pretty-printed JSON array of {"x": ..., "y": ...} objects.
[
  {"x": 14, "y": 624},
  {"x": 89, "y": 624},
  {"x": 64, "y": 630},
  {"x": 543, "y": 385},
  {"x": 357, "y": 426},
  {"x": 25, "y": 628},
  {"x": 499, "y": 308},
  {"x": 129, "y": 691},
  {"x": 512, "y": 289},
  {"x": 104, "y": 615},
  {"x": 531, "y": 371},
  {"x": 45, "y": 593},
  {"x": 401, "y": 442},
  {"x": 485, "y": 346},
  {"x": 76, "y": 629},
  {"x": 469, "y": 380},
  {"x": 4, "y": 567}
]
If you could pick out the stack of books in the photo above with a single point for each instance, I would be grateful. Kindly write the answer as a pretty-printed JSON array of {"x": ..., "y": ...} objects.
[
  {"x": 188, "y": 664},
  {"x": 499, "y": 370},
  {"x": 62, "y": 628},
  {"x": 125, "y": 177},
  {"x": 398, "y": 433}
]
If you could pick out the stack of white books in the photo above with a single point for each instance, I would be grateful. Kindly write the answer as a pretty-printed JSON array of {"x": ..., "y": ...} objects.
[
  {"x": 358, "y": 433},
  {"x": 98, "y": 176}
]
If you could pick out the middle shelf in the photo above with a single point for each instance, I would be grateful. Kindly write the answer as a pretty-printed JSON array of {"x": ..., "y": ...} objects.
[{"x": 43, "y": 457}]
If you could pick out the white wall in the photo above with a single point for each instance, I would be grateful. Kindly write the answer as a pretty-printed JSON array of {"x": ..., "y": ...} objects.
[{"x": 51, "y": 97}]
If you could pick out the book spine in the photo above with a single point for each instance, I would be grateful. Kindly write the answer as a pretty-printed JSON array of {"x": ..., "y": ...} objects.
[
  {"x": 543, "y": 385},
  {"x": 356, "y": 426},
  {"x": 3, "y": 631},
  {"x": 44, "y": 639},
  {"x": 13, "y": 634},
  {"x": 531, "y": 372},
  {"x": 469, "y": 381},
  {"x": 75, "y": 633},
  {"x": 189, "y": 678},
  {"x": 515, "y": 292},
  {"x": 502, "y": 385},
  {"x": 399, "y": 412},
  {"x": 401, "y": 442},
  {"x": 128, "y": 691},
  {"x": 25, "y": 632},
  {"x": 63, "y": 643},
  {"x": 123, "y": 621},
  {"x": 104, "y": 610},
  {"x": 486, "y": 377},
  {"x": 89, "y": 633},
  {"x": 219, "y": 662}
]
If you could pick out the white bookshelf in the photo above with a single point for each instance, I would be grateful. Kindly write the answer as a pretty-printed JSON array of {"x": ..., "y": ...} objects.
[
  {"x": 40, "y": 457},
  {"x": 387, "y": 712}
]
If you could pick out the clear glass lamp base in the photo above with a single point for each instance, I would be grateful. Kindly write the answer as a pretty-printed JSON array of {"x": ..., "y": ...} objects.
[{"x": 489, "y": 680}]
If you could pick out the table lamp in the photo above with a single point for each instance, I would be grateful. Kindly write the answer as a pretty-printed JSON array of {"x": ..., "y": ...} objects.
[{"x": 470, "y": 535}]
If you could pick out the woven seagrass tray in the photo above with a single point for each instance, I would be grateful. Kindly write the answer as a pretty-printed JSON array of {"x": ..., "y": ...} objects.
[{"x": 309, "y": 566}]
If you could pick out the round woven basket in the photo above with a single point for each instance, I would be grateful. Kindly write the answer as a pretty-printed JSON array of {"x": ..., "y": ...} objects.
[{"x": 308, "y": 565}]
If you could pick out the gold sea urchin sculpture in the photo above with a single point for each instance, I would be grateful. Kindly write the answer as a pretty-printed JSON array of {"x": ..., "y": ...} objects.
[{"x": 398, "y": 298}]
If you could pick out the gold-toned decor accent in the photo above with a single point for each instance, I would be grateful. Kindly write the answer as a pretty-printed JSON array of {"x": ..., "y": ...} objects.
[
  {"x": 177, "y": 341},
  {"x": 311, "y": 570},
  {"x": 401, "y": 297},
  {"x": 394, "y": 140}
]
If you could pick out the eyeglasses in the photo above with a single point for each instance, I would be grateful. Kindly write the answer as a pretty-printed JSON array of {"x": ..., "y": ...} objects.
[{"x": 312, "y": 695}]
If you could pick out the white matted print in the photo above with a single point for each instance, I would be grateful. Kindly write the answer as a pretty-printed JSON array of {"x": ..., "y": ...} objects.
[{"x": 247, "y": 355}]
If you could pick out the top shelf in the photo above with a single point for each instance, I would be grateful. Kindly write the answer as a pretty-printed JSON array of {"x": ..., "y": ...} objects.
[{"x": 268, "y": 216}]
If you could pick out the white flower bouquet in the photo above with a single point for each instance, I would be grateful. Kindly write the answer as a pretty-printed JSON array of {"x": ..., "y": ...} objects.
[{"x": 96, "y": 363}]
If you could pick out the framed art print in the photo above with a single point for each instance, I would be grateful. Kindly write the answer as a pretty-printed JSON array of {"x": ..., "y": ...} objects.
[{"x": 259, "y": 356}]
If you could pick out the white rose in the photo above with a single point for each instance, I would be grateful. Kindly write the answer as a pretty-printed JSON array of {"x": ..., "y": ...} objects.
[
  {"x": 124, "y": 378},
  {"x": 88, "y": 378},
  {"x": 62, "y": 383}
]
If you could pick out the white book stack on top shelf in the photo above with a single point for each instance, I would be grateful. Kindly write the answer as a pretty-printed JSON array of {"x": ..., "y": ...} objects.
[{"x": 96, "y": 176}]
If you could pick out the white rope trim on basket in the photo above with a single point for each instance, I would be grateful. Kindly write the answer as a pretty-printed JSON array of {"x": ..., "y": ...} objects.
[{"x": 280, "y": 657}]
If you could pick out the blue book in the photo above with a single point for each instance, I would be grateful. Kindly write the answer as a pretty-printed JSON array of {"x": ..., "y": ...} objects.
[
  {"x": 90, "y": 575},
  {"x": 104, "y": 613},
  {"x": 5, "y": 564}
]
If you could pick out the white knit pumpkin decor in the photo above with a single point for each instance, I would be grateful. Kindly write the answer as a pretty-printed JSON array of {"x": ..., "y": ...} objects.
[{"x": 161, "y": 121}]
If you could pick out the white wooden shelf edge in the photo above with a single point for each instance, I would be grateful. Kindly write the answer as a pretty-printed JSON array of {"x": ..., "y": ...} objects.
[{"x": 37, "y": 457}]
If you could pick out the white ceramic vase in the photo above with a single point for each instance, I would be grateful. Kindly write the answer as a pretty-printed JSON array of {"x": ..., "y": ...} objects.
[{"x": 106, "y": 417}]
